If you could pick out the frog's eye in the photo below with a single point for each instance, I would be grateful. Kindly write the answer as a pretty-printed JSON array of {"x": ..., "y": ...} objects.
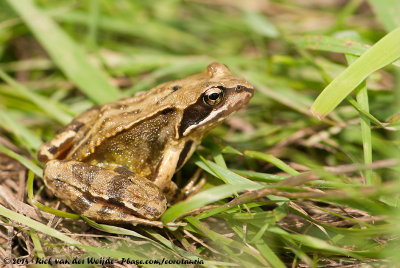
[{"x": 213, "y": 96}]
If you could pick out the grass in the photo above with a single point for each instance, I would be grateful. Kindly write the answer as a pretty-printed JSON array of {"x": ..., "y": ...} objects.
[{"x": 283, "y": 187}]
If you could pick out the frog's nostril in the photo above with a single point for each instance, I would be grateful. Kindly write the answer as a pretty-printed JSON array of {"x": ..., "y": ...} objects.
[{"x": 238, "y": 88}]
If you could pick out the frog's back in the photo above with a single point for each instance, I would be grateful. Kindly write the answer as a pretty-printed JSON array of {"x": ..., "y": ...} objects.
[{"x": 79, "y": 138}]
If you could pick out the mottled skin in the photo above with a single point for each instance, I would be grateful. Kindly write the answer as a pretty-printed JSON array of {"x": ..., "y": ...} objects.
[{"x": 114, "y": 163}]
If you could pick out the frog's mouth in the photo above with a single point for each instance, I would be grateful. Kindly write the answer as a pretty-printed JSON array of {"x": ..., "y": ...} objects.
[{"x": 200, "y": 116}]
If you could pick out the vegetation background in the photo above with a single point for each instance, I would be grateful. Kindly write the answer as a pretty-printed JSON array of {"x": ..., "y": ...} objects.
[{"x": 283, "y": 187}]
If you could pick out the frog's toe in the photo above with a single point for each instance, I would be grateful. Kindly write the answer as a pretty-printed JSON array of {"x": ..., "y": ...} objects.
[{"x": 192, "y": 187}]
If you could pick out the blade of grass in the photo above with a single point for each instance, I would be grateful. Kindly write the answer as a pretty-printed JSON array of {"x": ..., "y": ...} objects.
[
  {"x": 68, "y": 56},
  {"x": 328, "y": 43},
  {"x": 45, "y": 208},
  {"x": 219, "y": 158},
  {"x": 227, "y": 243},
  {"x": 387, "y": 12},
  {"x": 42, "y": 103},
  {"x": 116, "y": 230},
  {"x": 27, "y": 139},
  {"x": 282, "y": 95},
  {"x": 230, "y": 150},
  {"x": 36, "y": 225},
  {"x": 363, "y": 112},
  {"x": 384, "y": 52},
  {"x": 154, "y": 32},
  {"x": 346, "y": 11},
  {"x": 36, "y": 242},
  {"x": 362, "y": 100},
  {"x": 332, "y": 44},
  {"x": 273, "y": 160},
  {"x": 225, "y": 175},
  {"x": 169, "y": 244},
  {"x": 204, "y": 198},
  {"x": 258, "y": 23},
  {"x": 93, "y": 22},
  {"x": 258, "y": 176},
  {"x": 269, "y": 254},
  {"x": 26, "y": 162},
  {"x": 313, "y": 242}
]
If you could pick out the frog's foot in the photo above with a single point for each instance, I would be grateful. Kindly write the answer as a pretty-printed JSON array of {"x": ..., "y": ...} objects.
[
  {"x": 113, "y": 196},
  {"x": 170, "y": 191},
  {"x": 192, "y": 187}
]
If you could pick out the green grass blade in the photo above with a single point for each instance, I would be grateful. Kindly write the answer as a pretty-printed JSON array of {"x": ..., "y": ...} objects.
[
  {"x": 328, "y": 43},
  {"x": 362, "y": 100},
  {"x": 363, "y": 112},
  {"x": 45, "y": 208},
  {"x": 204, "y": 198},
  {"x": 286, "y": 96},
  {"x": 169, "y": 244},
  {"x": 115, "y": 229},
  {"x": 36, "y": 242},
  {"x": 154, "y": 32},
  {"x": 258, "y": 176},
  {"x": 273, "y": 160},
  {"x": 47, "y": 105},
  {"x": 226, "y": 243},
  {"x": 269, "y": 255},
  {"x": 384, "y": 52},
  {"x": 26, "y": 162},
  {"x": 225, "y": 175},
  {"x": 24, "y": 135},
  {"x": 387, "y": 12},
  {"x": 312, "y": 242},
  {"x": 68, "y": 56},
  {"x": 332, "y": 44},
  {"x": 258, "y": 23},
  {"x": 93, "y": 22},
  {"x": 219, "y": 159},
  {"x": 36, "y": 225}
]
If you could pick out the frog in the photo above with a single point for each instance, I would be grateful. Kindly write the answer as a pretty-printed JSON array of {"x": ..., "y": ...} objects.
[{"x": 114, "y": 163}]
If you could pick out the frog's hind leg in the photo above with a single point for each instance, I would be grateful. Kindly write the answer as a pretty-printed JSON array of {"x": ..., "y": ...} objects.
[{"x": 105, "y": 195}]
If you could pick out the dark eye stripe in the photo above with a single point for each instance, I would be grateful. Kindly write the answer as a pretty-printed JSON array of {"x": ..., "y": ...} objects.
[{"x": 194, "y": 114}]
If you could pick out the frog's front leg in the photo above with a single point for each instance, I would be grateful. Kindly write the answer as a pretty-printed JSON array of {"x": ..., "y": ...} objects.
[
  {"x": 165, "y": 170},
  {"x": 112, "y": 196},
  {"x": 173, "y": 159}
]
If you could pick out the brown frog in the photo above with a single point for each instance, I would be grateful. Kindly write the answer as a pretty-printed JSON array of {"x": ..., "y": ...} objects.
[{"x": 114, "y": 162}]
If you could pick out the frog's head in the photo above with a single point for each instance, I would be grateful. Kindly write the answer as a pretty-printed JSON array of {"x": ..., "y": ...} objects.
[{"x": 213, "y": 96}]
